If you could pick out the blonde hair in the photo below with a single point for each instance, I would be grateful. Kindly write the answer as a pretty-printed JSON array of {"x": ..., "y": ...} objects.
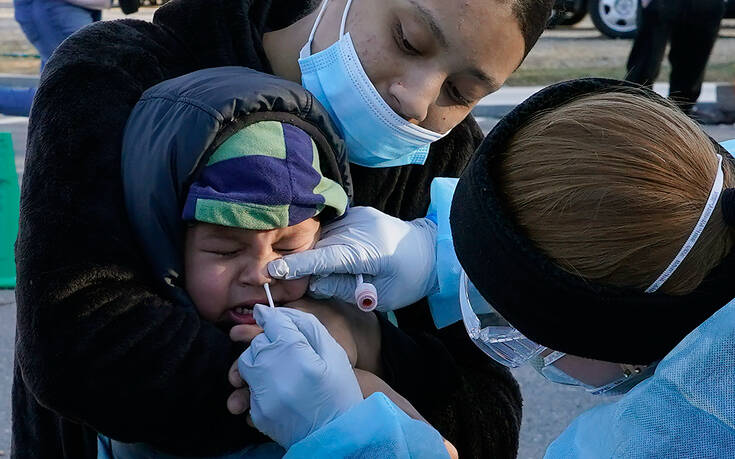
[{"x": 610, "y": 186}]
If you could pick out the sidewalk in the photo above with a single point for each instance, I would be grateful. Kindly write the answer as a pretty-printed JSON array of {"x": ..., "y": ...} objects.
[
  {"x": 501, "y": 102},
  {"x": 7, "y": 339}
]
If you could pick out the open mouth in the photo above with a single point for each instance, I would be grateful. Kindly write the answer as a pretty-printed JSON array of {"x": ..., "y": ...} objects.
[{"x": 242, "y": 315}]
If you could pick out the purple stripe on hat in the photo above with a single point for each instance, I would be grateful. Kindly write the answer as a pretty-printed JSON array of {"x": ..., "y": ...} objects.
[
  {"x": 304, "y": 178},
  {"x": 251, "y": 179}
]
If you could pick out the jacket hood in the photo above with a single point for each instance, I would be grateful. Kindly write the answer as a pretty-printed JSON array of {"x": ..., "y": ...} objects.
[{"x": 177, "y": 125}]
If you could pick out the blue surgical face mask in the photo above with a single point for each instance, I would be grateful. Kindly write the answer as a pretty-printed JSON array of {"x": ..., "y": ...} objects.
[{"x": 374, "y": 134}]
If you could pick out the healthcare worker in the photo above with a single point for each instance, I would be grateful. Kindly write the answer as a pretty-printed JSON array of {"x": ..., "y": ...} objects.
[
  {"x": 605, "y": 261},
  {"x": 398, "y": 77}
]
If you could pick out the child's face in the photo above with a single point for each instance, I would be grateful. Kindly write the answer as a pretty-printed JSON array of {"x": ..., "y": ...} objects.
[{"x": 226, "y": 268}]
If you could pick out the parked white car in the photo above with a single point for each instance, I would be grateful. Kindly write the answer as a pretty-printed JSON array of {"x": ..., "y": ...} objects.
[{"x": 614, "y": 18}]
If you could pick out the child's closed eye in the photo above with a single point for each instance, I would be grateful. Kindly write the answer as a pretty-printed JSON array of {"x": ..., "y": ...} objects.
[
  {"x": 222, "y": 249},
  {"x": 223, "y": 253}
]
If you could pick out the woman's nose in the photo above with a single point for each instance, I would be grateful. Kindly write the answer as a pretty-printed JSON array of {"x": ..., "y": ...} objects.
[{"x": 411, "y": 98}]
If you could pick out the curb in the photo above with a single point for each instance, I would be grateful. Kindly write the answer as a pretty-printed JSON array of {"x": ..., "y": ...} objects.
[
  {"x": 501, "y": 102},
  {"x": 499, "y": 111},
  {"x": 18, "y": 81}
]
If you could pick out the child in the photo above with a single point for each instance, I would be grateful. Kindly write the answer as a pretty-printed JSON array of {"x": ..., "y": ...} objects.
[
  {"x": 234, "y": 230},
  {"x": 237, "y": 222},
  {"x": 260, "y": 196},
  {"x": 225, "y": 170}
]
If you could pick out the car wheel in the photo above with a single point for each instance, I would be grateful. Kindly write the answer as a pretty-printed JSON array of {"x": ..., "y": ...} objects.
[{"x": 615, "y": 18}]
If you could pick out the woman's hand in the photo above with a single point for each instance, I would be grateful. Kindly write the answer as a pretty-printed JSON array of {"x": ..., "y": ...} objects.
[
  {"x": 299, "y": 378},
  {"x": 397, "y": 257}
]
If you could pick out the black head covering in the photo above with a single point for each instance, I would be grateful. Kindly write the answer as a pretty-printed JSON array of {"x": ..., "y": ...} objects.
[{"x": 547, "y": 304}]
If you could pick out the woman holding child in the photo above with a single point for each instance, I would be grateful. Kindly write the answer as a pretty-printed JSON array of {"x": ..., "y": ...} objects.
[{"x": 104, "y": 346}]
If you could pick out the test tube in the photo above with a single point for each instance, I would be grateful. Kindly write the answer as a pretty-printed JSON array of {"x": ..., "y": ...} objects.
[
  {"x": 268, "y": 294},
  {"x": 366, "y": 296}
]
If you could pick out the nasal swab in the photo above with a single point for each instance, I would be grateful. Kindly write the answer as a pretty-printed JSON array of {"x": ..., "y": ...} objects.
[
  {"x": 268, "y": 294},
  {"x": 366, "y": 296}
]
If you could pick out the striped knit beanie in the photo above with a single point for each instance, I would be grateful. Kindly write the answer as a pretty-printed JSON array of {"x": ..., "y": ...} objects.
[{"x": 265, "y": 176}]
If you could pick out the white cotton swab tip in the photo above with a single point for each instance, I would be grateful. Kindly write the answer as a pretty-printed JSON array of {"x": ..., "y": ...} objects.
[{"x": 268, "y": 294}]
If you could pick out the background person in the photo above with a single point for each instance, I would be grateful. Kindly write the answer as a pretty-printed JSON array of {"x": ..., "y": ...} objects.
[
  {"x": 691, "y": 27},
  {"x": 582, "y": 281},
  {"x": 81, "y": 267},
  {"x": 46, "y": 23}
]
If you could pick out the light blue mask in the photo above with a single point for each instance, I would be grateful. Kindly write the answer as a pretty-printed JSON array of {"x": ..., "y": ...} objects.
[{"x": 374, "y": 134}]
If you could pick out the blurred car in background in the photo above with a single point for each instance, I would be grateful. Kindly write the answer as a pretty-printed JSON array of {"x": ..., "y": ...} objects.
[{"x": 614, "y": 18}]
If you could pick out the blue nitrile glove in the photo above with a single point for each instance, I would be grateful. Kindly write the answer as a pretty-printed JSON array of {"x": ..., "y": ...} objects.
[
  {"x": 396, "y": 256},
  {"x": 299, "y": 377},
  {"x": 374, "y": 428}
]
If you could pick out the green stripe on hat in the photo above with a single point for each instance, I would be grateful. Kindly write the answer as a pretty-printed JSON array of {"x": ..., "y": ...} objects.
[
  {"x": 333, "y": 193},
  {"x": 264, "y": 138},
  {"x": 242, "y": 215}
]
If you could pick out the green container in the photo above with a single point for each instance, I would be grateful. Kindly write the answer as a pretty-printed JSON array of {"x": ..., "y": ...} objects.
[{"x": 9, "y": 210}]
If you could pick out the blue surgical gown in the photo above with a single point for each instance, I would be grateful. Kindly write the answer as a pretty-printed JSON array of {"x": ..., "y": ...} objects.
[
  {"x": 685, "y": 410},
  {"x": 375, "y": 428}
]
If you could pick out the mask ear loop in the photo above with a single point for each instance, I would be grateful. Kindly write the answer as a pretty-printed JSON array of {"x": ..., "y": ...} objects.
[
  {"x": 344, "y": 19},
  {"x": 307, "y": 46}
]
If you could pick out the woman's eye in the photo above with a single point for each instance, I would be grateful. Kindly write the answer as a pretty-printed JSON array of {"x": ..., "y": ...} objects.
[
  {"x": 458, "y": 97},
  {"x": 403, "y": 42}
]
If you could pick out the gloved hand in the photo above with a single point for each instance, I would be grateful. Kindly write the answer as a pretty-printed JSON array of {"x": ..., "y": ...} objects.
[
  {"x": 397, "y": 257},
  {"x": 299, "y": 377}
]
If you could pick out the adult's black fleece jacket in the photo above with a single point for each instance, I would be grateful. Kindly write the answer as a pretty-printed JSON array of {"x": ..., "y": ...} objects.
[{"x": 90, "y": 318}]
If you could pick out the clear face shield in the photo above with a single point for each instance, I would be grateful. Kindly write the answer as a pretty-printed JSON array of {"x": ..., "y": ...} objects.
[{"x": 506, "y": 345}]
